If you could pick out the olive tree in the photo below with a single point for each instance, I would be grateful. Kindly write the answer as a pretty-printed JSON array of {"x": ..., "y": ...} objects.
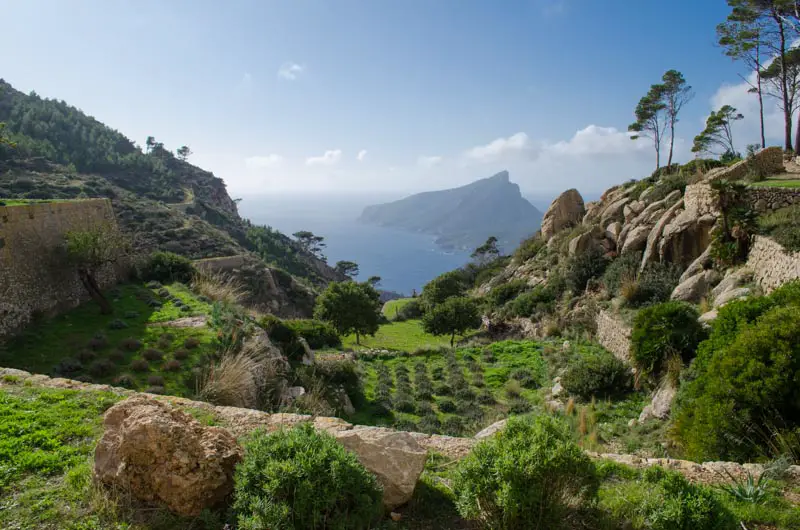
[{"x": 92, "y": 249}]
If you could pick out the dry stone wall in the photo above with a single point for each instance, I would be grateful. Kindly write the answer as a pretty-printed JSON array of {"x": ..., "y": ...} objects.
[
  {"x": 764, "y": 199},
  {"x": 772, "y": 265},
  {"x": 34, "y": 276},
  {"x": 614, "y": 335}
]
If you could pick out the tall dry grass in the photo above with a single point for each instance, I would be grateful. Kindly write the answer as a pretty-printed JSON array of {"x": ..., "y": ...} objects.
[{"x": 218, "y": 287}]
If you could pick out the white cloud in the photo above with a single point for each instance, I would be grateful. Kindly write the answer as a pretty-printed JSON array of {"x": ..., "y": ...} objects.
[
  {"x": 290, "y": 71},
  {"x": 596, "y": 140},
  {"x": 361, "y": 155},
  {"x": 429, "y": 161},
  {"x": 260, "y": 162},
  {"x": 515, "y": 143},
  {"x": 330, "y": 158}
]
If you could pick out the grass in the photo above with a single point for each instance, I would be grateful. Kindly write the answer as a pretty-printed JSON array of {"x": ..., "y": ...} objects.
[
  {"x": 25, "y": 202},
  {"x": 783, "y": 226},
  {"x": 391, "y": 308},
  {"x": 403, "y": 336},
  {"x": 792, "y": 183},
  {"x": 83, "y": 334}
]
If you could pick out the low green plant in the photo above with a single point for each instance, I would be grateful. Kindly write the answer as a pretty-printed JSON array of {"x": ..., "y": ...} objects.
[
  {"x": 596, "y": 374},
  {"x": 661, "y": 331},
  {"x": 318, "y": 334},
  {"x": 303, "y": 479},
  {"x": 528, "y": 249},
  {"x": 583, "y": 267},
  {"x": 498, "y": 296},
  {"x": 166, "y": 267},
  {"x": 531, "y": 475}
]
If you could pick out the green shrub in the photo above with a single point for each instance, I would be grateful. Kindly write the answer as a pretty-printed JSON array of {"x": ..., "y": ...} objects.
[
  {"x": 529, "y": 248},
  {"x": 303, "y": 479},
  {"x": 446, "y": 405},
  {"x": 664, "y": 330},
  {"x": 411, "y": 310},
  {"x": 139, "y": 365},
  {"x": 282, "y": 335},
  {"x": 505, "y": 292},
  {"x": 597, "y": 373},
  {"x": 448, "y": 285},
  {"x": 623, "y": 269},
  {"x": 783, "y": 226},
  {"x": 166, "y": 267},
  {"x": 529, "y": 476},
  {"x": 535, "y": 303},
  {"x": 102, "y": 368},
  {"x": 743, "y": 398},
  {"x": 152, "y": 354},
  {"x": 583, "y": 267},
  {"x": 317, "y": 333},
  {"x": 665, "y": 500}
]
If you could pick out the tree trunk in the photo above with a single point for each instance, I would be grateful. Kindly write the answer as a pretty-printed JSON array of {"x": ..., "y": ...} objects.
[
  {"x": 452, "y": 339},
  {"x": 671, "y": 142},
  {"x": 760, "y": 101},
  {"x": 787, "y": 111},
  {"x": 89, "y": 282}
]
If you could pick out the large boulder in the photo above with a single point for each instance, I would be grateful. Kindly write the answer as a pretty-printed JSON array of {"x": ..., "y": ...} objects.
[
  {"x": 660, "y": 405},
  {"x": 586, "y": 241},
  {"x": 158, "y": 453},
  {"x": 695, "y": 288},
  {"x": 613, "y": 231},
  {"x": 394, "y": 457},
  {"x": 703, "y": 262},
  {"x": 654, "y": 238},
  {"x": 731, "y": 295},
  {"x": 636, "y": 239},
  {"x": 686, "y": 237},
  {"x": 733, "y": 280},
  {"x": 632, "y": 209},
  {"x": 565, "y": 211},
  {"x": 614, "y": 211},
  {"x": 491, "y": 430}
]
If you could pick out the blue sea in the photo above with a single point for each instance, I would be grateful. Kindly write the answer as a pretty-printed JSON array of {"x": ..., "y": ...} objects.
[{"x": 404, "y": 261}]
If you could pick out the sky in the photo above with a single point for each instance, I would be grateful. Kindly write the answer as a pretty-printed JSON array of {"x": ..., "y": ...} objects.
[{"x": 343, "y": 96}]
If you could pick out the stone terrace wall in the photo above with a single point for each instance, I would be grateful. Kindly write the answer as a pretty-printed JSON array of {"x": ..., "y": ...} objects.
[
  {"x": 614, "y": 335},
  {"x": 766, "y": 199},
  {"x": 34, "y": 276},
  {"x": 242, "y": 421},
  {"x": 772, "y": 265}
]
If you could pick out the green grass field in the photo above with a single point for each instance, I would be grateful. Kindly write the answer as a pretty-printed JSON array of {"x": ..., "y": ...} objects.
[
  {"x": 391, "y": 307},
  {"x": 778, "y": 183},
  {"x": 102, "y": 354},
  {"x": 402, "y": 336}
]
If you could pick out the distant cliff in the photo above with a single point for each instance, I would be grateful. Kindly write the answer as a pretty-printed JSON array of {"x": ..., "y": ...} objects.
[{"x": 463, "y": 217}]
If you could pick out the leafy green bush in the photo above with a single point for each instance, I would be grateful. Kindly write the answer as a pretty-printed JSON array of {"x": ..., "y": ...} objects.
[
  {"x": 446, "y": 405},
  {"x": 583, "y": 267},
  {"x": 783, "y": 226},
  {"x": 448, "y": 285},
  {"x": 743, "y": 399},
  {"x": 282, "y": 335},
  {"x": 501, "y": 294},
  {"x": 529, "y": 248},
  {"x": 623, "y": 269},
  {"x": 529, "y": 476},
  {"x": 411, "y": 310},
  {"x": 317, "y": 333},
  {"x": 654, "y": 284},
  {"x": 665, "y": 500},
  {"x": 535, "y": 303},
  {"x": 303, "y": 479},
  {"x": 596, "y": 373},
  {"x": 664, "y": 330},
  {"x": 166, "y": 267}
]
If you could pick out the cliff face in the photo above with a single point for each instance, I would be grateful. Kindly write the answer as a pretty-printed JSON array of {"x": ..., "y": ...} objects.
[{"x": 463, "y": 217}]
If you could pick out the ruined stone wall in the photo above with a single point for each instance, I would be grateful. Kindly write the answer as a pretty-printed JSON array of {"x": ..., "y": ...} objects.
[
  {"x": 764, "y": 199},
  {"x": 699, "y": 199},
  {"x": 35, "y": 277},
  {"x": 772, "y": 265},
  {"x": 226, "y": 263},
  {"x": 614, "y": 335}
]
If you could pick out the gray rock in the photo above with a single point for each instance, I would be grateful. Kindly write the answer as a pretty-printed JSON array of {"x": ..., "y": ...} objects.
[
  {"x": 491, "y": 430},
  {"x": 614, "y": 211},
  {"x": 557, "y": 390},
  {"x": 702, "y": 263},
  {"x": 586, "y": 241},
  {"x": 660, "y": 405},
  {"x": 695, "y": 288},
  {"x": 636, "y": 239},
  {"x": 730, "y": 295},
  {"x": 733, "y": 280},
  {"x": 565, "y": 211},
  {"x": 613, "y": 230},
  {"x": 709, "y": 317},
  {"x": 654, "y": 238}
]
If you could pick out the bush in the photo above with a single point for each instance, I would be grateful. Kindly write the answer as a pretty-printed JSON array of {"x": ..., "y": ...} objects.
[
  {"x": 583, "y": 267},
  {"x": 191, "y": 343},
  {"x": 528, "y": 249},
  {"x": 98, "y": 342},
  {"x": 86, "y": 356},
  {"x": 411, "y": 310},
  {"x": 525, "y": 378},
  {"x": 283, "y": 336},
  {"x": 662, "y": 331},
  {"x": 155, "y": 390},
  {"x": 166, "y": 267},
  {"x": 598, "y": 373},
  {"x": 152, "y": 354},
  {"x": 443, "y": 389},
  {"x": 117, "y": 356},
  {"x": 303, "y": 479},
  {"x": 102, "y": 368},
  {"x": 172, "y": 365},
  {"x": 743, "y": 399},
  {"x": 181, "y": 354},
  {"x": 155, "y": 380},
  {"x": 446, "y": 405},
  {"x": 403, "y": 403},
  {"x": 537, "y": 302},
  {"x": 429, "y": 424},
  {"x": 654, "y": 284},
  {"x": 505, "y": 292},
  {"x": 486, "y": 398},
  {"x": 130, "y": 344},
  {"x": 317, "y": 333},
  {"x": 125, "y": 381},
  {"x": 530, "y": 475},
  {"x": 140, "y": 365}
]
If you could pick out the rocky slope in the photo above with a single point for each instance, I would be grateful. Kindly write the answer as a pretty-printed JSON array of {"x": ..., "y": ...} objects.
[{"x": 463, "y": 217}]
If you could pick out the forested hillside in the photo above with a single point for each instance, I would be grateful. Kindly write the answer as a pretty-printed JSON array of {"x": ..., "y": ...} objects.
[{"x": 58, "y": 152}]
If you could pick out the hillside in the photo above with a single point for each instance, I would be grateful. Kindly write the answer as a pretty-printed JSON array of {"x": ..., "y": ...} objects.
[
  {"x": 162, "y": 200},
  {"x": 463, "y": 217}
]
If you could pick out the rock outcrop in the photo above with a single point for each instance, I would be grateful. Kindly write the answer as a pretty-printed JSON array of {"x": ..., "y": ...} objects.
[
  {"x": 696, "y": 287},
  {"x": 161, "y": 454},
  {"x": 394, "y": 457},
  {"x": 565, "y": 211},
  {"x": 660, "y": 405}
]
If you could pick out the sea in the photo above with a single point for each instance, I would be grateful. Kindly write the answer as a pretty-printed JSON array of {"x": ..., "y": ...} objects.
[{"x": 405, "y": 261}]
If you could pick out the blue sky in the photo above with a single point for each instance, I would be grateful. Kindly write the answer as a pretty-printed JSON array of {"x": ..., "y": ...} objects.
[{"x": 379, "y": 95}]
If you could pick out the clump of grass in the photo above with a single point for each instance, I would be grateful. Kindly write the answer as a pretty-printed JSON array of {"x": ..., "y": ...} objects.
[
  {"x": 218, "y": 287},
  {"x": 172, "y": 365},
  {"x": 125, "y": 381},
  {"x": 102, "y": 368},
  {"x": 117, "y": 356},
  {"x": 98, "y": 342},
  {"x": 513, "y": 389},
  {"x": 165, "y": 340},
  {"x": 155, "y": 380},
  {"x": 140, "y": 365},
  {"x": 152, "y": 354},
  {"x": 130, "y": 344},
  {"x": 191, "y": 343},
  {"x": 181, "y": 354}
]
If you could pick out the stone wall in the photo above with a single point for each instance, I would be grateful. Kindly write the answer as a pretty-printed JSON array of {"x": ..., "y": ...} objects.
[
  {"x": 772, "y": 265},
  {"x": 35, "y": 278},
  {"x": 769, "y": 161},
  {"x": 242, "y": 421},
  {"x": 226, "y": 263},
  {"x": 699, "y": 199},
  {"x": 614, "y": 335},
  {"x": 764, "y": 199}
]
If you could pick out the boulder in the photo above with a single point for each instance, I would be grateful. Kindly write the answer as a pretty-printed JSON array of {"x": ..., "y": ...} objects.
[
  {"x": 703, "y": 262},
  {"x": 636, "y": 239},
  {"x": 654, "y": 238},
  {"x": 614, "y": 211},
  {"x": 565, "y": 211},
  {"x": 660, "y": 405},
  {"x": 396, "y": 458},
  {"x": 696, "y": 287},
  {"x": 613, "y": 230},
  {"x": 645, "y": 195},
  {"x": 707, "y": 318},
  {"x": 308, "y": 354},
  {"x": 730, "y": 295},
  {"x": 733, "y": 280},
  {"x": 158, "y": 453},
  {"x": 632, "y": 209},
  {"x": 557, "y": 390},
  {"x": 582, "y": 243},
  {"x": 491, "y": 430},
  {"x": 593, "y": 210},
  {"x": 686, "y": 237}
]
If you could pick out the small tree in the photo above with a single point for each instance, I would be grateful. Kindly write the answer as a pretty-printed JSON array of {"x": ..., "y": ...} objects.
[
  {"x": 717, "y": 137},
  {"x": 374, "y": 281},
  {"x": 348, "y": 268},
  {"x": 92, "y": 249},
  {"x": 486, "y": 252},
  {"x": 149, "y": 143},
  {"x": 3, "y": 138},
  {"x": 454, "y": 315},
  {"x": 442, "y": 287},
  {"x": 183, "y": 152},
  {"x": 676, "y": 93},
  {"x": 350, "y": 307},
  {"x": 651, "y": 119},
  {"x": 310, "y": 243}
]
